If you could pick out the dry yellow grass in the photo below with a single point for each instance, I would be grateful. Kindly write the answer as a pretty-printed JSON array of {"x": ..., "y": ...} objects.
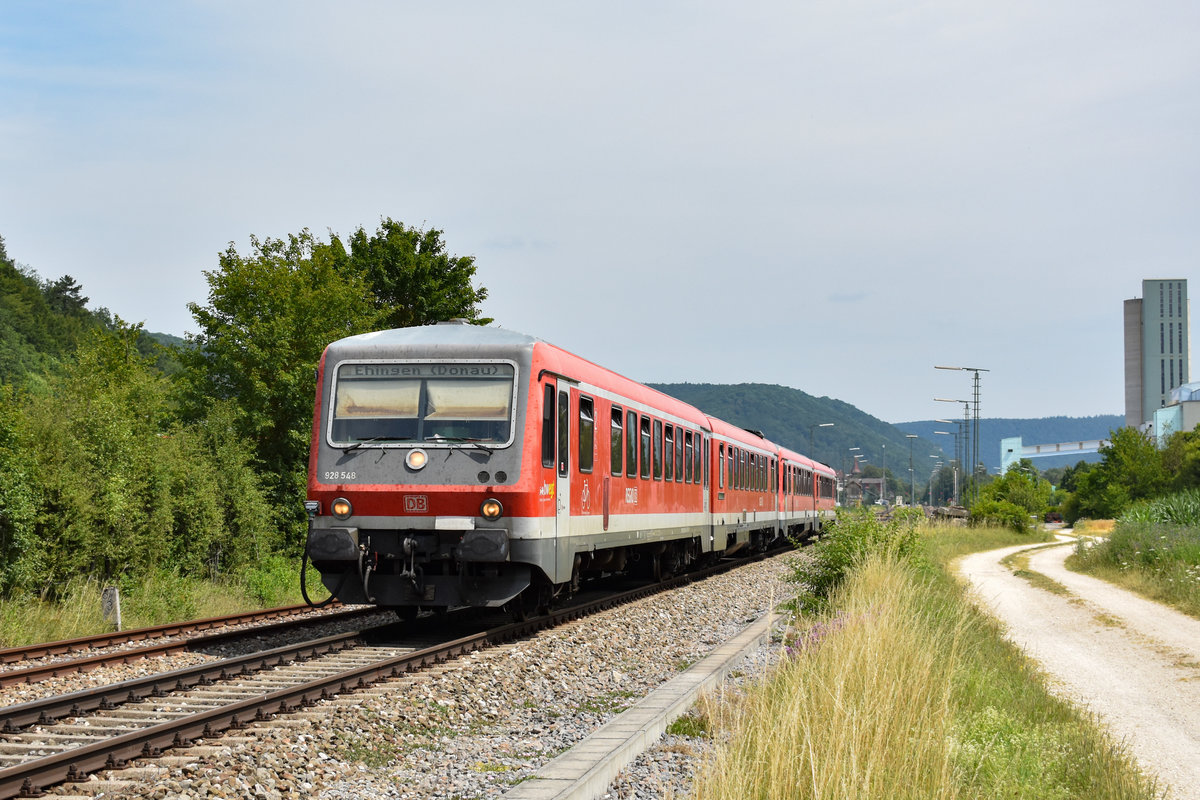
[
  {"x": 1094, "y": 527},
  {"x": 862, "y": 713}
]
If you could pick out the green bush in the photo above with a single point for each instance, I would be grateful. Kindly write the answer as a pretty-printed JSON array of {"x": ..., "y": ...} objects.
[
  {"x": 109, "y": 484},
  {"x": 1001, "y": 513},
  {"x": 855, "y": 534},
  {"x": 275, "y": 580}
]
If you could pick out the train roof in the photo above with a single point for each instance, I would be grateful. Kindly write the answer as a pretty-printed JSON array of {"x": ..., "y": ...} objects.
[
  {"x": 461, "y": 333},
  {"x": 454, "y": 332}
]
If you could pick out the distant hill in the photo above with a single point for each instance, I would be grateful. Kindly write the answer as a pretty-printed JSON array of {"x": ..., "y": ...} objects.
[
  {"x": 1044, "y": 430},
  {"x": 785, "y": 415}
]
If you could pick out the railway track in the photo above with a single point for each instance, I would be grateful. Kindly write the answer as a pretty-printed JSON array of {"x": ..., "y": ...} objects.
[
  {"x": 9, "y": 655},
  {"x": 65, "y": 738},
  {"x": 177, "y": 637}
]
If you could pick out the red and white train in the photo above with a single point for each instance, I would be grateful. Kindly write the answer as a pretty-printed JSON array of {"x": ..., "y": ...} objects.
[{"x": 457, "y": 465}]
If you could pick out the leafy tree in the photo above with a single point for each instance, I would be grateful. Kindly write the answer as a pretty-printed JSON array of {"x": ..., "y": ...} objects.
[
  {"x": 1131, "y": 469},
  {"x": 1013, "y": 498},
  {"x": 413, "y": 279},
  {"x": 119, "y": 486},
  {"x": 1181, "y": 459},
  {"x": 18, "y": 491},
  {"x": 268, "y": 319}
]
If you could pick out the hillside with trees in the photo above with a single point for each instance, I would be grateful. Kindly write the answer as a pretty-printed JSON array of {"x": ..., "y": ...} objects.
[{"x": 794, "y": 418}]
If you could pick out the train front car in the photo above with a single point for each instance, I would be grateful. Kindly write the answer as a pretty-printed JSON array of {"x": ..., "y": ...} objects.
[{"x": 415, "y": 488}]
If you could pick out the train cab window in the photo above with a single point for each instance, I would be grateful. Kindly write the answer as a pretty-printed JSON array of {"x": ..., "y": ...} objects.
[
  {"x": 548, "y": 416},
  {"x": 658, "y": 449},
  {"x": 631, "y": 444},
  {"x": 564, "y": 432},
  {"x": 687, "y": 456},
  {"x": 669, "y": 453},
  {"x": 381, "y": 404},
  {"x": 587, "y": 433},
  {"x": 645, "y": 438},
  {"x": 617, "y": 442}
]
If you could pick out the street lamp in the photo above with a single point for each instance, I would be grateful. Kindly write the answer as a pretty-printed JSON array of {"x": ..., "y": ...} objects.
[
  {"x": 956, "y": 462},
  {"x": 912, "y": 486},
  {"x": 813, "y": 455},
  {"x": 975, "y": 433},
  {"x": 966, "y": 436}
]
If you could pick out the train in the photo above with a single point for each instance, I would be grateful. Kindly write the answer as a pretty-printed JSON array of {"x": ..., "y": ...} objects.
[{"x": 457, "y": 465}]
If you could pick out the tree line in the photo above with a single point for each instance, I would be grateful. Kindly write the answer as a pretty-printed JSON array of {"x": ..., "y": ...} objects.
[
  {"x": 119, "y": 456},
  {"x": 1133, "y": 469}
]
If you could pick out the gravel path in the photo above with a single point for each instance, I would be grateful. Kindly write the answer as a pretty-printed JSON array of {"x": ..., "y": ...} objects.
[{"x": 1133, "y": 662}]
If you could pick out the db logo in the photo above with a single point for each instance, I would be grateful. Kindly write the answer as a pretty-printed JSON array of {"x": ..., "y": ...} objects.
[{"x": 416, "y": 504}]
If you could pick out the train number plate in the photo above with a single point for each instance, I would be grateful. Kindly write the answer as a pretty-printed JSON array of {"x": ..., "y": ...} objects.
[{"x": 416, "y": 504}]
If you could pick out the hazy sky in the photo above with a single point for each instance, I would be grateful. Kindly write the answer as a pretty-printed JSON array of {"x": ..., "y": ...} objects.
[{"x": 834, "y": 196}]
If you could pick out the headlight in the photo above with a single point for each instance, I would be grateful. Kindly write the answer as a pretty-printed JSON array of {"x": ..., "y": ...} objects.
[
  {"x": 491, "y": 509},
  {"x": 416, "y": 459},
  {"x": 341, "y": 508}
]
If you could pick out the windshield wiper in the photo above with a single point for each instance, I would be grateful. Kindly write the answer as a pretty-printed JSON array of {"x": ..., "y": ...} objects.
[
  {"x": 437, "y": 437},
  {"x": 361, "y": 442}
]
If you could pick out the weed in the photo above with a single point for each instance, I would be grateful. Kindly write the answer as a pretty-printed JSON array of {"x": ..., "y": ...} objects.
[{"x": 691, "y": 724}]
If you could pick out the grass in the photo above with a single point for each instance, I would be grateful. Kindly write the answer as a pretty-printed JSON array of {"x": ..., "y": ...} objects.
[
  {"x": 1159, "y": 560},
  {"x": 902, "y": 689},
  {"x": 1019, "y": 564},
  {"x": 75, "y": 610}
]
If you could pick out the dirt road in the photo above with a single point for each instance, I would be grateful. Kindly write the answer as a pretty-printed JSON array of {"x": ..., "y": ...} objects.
[{"x": 1133, "y": 662}]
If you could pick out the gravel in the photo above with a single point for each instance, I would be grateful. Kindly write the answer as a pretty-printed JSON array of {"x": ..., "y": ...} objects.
[{"x": 478, "y": 725}]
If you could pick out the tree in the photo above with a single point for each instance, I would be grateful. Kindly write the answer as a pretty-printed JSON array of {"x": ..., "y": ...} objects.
[
  {"x": 1181, "y": 459},
  {"x": 121, "y": 488},
  {"x": 268, "y": 318},
  {"x": 65, "y": 296},
  {"x": 413, "y": 279},
  {"x": 1131, "y": 469}
]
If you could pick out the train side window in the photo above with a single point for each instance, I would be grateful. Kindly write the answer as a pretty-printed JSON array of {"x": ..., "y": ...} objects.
[
  {"x": 687, "y": 456},
  {"x": 720, "y": 466},
  {"x": 548, "y": 437},
  {"x": 774, "y": 476},
  {"x": 617, "y": 442},
  {"x": 701, "y": 472},
  {"x": 658, "y": 449},
  {"x": 564, "y": 432},
  {"x": 645, "y": 436},
  {"x": 669, "y": 453},
  {"x": 678, "y": 454},
  {"x": 587, "y": 433},
  {"x": 631, "y": 443}
]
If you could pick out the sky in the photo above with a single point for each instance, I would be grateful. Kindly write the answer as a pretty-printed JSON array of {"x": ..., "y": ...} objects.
[{"x": 831, "y": 196}]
